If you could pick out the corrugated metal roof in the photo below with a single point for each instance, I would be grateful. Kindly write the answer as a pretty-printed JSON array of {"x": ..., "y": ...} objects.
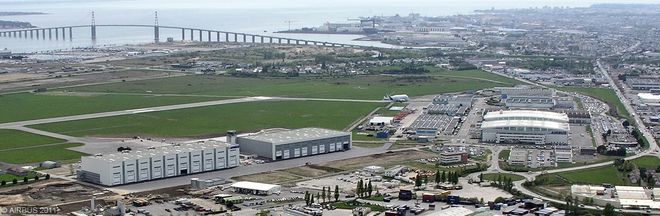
[{"x": 297, "y": 135}]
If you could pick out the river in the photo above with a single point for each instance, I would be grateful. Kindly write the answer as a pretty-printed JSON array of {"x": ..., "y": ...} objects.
[{"x": 248, "y": 16}]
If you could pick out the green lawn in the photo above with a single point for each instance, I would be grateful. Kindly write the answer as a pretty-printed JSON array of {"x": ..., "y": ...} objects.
[
  {"x": 16, "y": 139},
  {"x": 504, "y": 154},
  {"x": 606, "y": 95},
  {"x": 216, "y": 120},
  {"x": 361, "y": 137},
  {"x": 27, "y": 106},
  {"x": 599, "y": 175},
  {"x": 649, "y": 162},
  {"x": 358, "y": 87},
  {"x": 9, "y": 177},
  {"x": 40, "y": 154},
  {"x": 494, "y": 176}
]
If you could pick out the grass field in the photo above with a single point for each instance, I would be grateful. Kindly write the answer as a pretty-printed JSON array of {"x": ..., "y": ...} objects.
[
  {"x": 494, "y": 176},
  {"x": 606, "y": 95},
  {"x": 27, "y": 106},
  {"x": 359, "y": 87},
  {"x": 216, "y": 120},
  {"x": 649, "y": 162},
  {"x": 17, "y": 139},
  {"x": 599, "y": 175},
  {"x": 40, "y": 154}
]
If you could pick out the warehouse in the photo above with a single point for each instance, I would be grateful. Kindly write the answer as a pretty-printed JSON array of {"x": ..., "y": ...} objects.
[
  {"x": 454, "y": 100},
  {"x": 429, "y": 125},
  {"x": 157, "y": 163},
  {"x": 256, "y": 188},
  {"x": 522, "y": 126},
  {"x": 528, "y": 97},
  {"x": 295, "y": 143}
]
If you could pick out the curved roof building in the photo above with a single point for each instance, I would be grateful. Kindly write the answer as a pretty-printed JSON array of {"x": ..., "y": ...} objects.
[
  {"x": 525, "y": 126},
  {"x": 526, "y": 115}
]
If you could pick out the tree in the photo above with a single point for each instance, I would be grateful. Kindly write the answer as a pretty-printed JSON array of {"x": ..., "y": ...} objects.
[
  {"x": 318, "y": 197},
  {"x": 3, "y": 183},
  {"x": 47, "y": 176},
  {"x": 311, "y": 199},
  {"x": 358, "y": 190},
  {"x": 14, "y": 181},
  {"x": 481, "y": 177},
  {"x": 336, "y": 193},
  {"x": 499, "y": 180},
  {"x": 609, "y": 210},
  {"x": 437, "y": 176},
  {"x": 328, "y": 195},
  {"x": 323, "y": 194},
  {"x": 418, "y": 181},
  {"x": 370, "y": 188},
  {"x": 25, "y": 179},
  {"x": 443, "y": 178},
  {"x": 36, "y": 177},
  {"x": 307, "y": 198}
]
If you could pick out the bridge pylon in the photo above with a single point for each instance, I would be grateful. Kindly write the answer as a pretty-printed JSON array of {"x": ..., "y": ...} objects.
[
  {"x": 156, "y": 29},
  {"x": 93, "y": 27}
]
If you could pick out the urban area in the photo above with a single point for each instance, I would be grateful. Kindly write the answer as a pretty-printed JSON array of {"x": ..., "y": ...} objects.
[{"x": 546, "y": 111}]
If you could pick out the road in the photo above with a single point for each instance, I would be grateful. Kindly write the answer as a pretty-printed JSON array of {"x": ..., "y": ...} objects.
[{"x": 653, "y": 145}]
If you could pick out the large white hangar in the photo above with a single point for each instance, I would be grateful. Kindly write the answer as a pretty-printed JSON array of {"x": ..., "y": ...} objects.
[
  {"x": 295, "y": 143},
  {"x": 163, "y": 162},
  {"x": 525, "y": 126}
]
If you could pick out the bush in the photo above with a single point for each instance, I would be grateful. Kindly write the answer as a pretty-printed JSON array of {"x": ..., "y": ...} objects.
[
  {"x": 14, "y": 181},
  {"x": 3, "y": 183}
]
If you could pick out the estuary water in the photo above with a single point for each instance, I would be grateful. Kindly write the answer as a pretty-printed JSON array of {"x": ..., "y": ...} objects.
[{"x": 249, "y": 16}]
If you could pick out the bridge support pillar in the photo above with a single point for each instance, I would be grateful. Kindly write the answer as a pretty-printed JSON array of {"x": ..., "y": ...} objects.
[
  {"x": 31, "y": 34},
  {"x": 156, "y": 34},
  {"x": 209, "y": 36},
  {"x": 43, "y": 34},
  {"x": 93, "y": 32},
  {"x": 70, "y": 34},
  {"x": 217, "y": 36},
  {"x": 288, "y": 41},
  {"x": 235, "y": 37},
  {"x": 57, "y": 34},
  {"x": 64, "y": 34},
  {"x": 227, "y": 37},
  {"x": 192, "y": 37},
  {"x": 262, "y": 39},
  {"x": 200, "y": 36},
  {"x": 253, "y": 38},
  {"x": 279, "y": 40},
  {"x": 183, "y": 34},
  {"x": 244, "y": 40},
  {"x": 270, "y": 39}
]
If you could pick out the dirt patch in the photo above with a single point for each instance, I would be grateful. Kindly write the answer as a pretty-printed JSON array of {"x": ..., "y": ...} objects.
[
  {"x": 48, "y": 193},
  {"x": 385, "y": 159}
]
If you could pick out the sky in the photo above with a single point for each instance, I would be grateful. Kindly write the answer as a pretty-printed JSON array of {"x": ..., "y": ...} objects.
[{"x": 265, "y": 4}]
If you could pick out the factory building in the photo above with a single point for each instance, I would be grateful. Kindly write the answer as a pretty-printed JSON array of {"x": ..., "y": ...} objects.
[
  {"x": 563, "y": 155},
  {"x": 295, "y": 143},
  {"x": 643, "y": 83},
  {"x": 454, "y": 100},
  {"x": 537, "y": 98},
  {"x": 524, "y": 126},
  {"x": 649, "y": 99},
  {"x": 157, "y": 163}
]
